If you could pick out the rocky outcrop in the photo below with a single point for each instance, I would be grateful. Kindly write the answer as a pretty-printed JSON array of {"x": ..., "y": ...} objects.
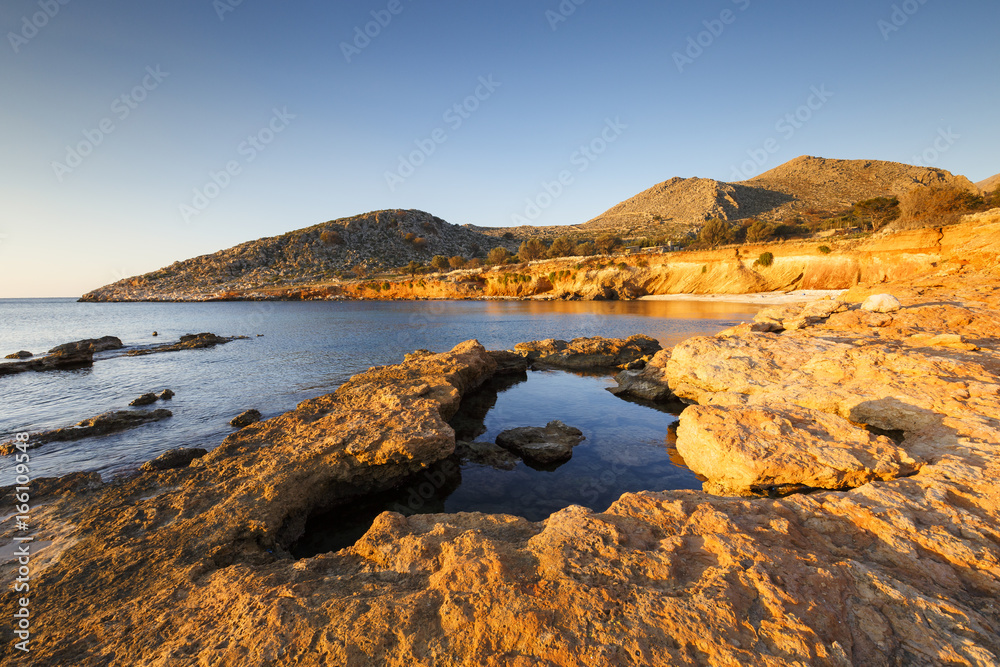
[
  {"x": 588, "y": 353},
  {"x": 174, "y": 458},
  {"x": 103, "y": 424},
  {"x": 245, "y": 418},
  {"x": 546, "y": 445},
  {"x": 486, "y": 454},
  {"x": 23, "y": 354},
  {"x": 92, "y": 345},
  {"x": 60, "y": 361},
  {"x": 648, "y": 383},
  {"x": 187, "y": 342}
]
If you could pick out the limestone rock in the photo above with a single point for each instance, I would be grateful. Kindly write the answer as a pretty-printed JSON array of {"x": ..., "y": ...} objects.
[
  {"x": 92, "y": 345},
  {"x": 881, "y": 303},
  {"x": 103, "y": 424},
  {"x": 649, "y": 383},
  {"x": 584, "y": 353},
  {"x": 167, "y": 394},
  {"x": 23, "y": 354},
  {"x": 59, "y": 361},
  {"x": 173, "y": 458},
  {"x": 744, "y": 450},
  {"x": 145, "y": 399},
  {"x": 245, "y": 419},
  {"x": 487, "y": 454},
  {"x": 187, "y": 342},
  {"x": 546, "y": 445},
  {"x": 509, "y": 363}
]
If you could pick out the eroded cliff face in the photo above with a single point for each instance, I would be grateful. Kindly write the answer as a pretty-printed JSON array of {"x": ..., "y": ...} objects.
[{"x": 897, "y": 562}]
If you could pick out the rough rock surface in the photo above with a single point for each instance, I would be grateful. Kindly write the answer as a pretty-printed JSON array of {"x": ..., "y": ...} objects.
[
  {"x": 552, "y": 443},
  {"x": 102, "y": 424},
  {"x": 881, "y": 303},
  {"x": 584, "y": 353},
  {"x": 486, "y": 454},
  {"x": 747, "y": 450},
  {"x": 245, "y": 418},
  {"x": 649, "y": 383},
  {"x": 187, "y": 342},
  {"x": 190, "y": 566},
  {"x": 145, "y": 399},
  {"x": 23, "y": 354},
  {"x": 92, "y": 345},
  {"x": 174, "y": 458}
]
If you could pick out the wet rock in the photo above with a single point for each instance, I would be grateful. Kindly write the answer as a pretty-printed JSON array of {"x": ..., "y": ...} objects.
[
  {"x": 145, "y": 399},
  {"x": 23, "y": 354},
  {"x": 649, "y": 383},
  {"x": 174, "y": 458},
  {"x": 187, "y": 342},
  {"x": 509, "y": 363},
  {"x": 60, "y": 361},
  {"x": 103, "y": 424},
  {"x": 552, "y": 443},
  {"x": 92, "y": 345},
  {"x": 752, "y": 450},
  {"x": 486, "y": 454},
  {"x": 587, "y": 353},
  {"x": 881, "y": 303},
  {"x": 245, "y": 419},
  {"x": 166, "y": 395}
]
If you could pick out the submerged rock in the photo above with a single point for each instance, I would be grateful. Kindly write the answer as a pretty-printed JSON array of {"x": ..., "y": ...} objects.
[
  {"x": 103, "y": 424},
  {"x": 245, "y": 418},
  {"x": 487, "y": 454},
  {"x": 584, "y": 353},
  {"x": 552, "y": 443},
  {"x": 60, "y": 361},
  {"x": 167, "y": 394},
  {"x": 187, "y": 342},
  {"x": 145, "y": 399},
  {"x": 174, "y": 458}
]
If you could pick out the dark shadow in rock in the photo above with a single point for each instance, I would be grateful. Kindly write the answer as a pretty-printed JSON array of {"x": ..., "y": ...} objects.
[
  {"x": 339, "y": 527},
  {"x": 469, "y": 421}
]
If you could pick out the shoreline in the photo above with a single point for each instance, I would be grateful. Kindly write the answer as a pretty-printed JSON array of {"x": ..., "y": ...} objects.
[{"x": 764, "y": 298}]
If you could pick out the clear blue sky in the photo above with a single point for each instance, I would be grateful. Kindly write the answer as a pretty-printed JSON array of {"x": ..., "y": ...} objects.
[{"x": 86, "y": 221}]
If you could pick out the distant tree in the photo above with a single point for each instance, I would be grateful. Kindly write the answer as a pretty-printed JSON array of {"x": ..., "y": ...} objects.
[
  {"x": 474, "y": 263},
  {"x": 880, "y": 211},
  {"x": 414, "y": 267},
  {"x": 715, "y": 232},
  {"x": 758, "y": 231},
  {"x": 498, "y": 255},
  {"x": 606, "y": 243},
  {"x": 360, "y": 271},
  {"x": 765, "y": 259},
  {"x": 531, "y": 250},
  {"x": 585, "y": 249},
  {"x": 561, "y": 247},
  {"x": 439, "y": 262},
  {"x": 456, "y": 262}
]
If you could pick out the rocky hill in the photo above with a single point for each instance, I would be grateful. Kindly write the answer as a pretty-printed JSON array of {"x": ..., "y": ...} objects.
[
  {"x": 805, "y": 184},
  {"x": 990, "y": 184},
  {"x": 318, "y": 254}
]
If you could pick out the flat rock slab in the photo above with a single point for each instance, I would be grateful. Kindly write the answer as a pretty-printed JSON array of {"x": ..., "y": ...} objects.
[
  {"x": 174, "y": 458},
  {"x": 584, "y": 353},
  {"x": 754, "y": 450},
  {"x": 103, "y": 424},
  {"x": 187, "y": 342},
  {"x": 92, "y": 345},
  {"x": 550, "y": 444},
  {"x": 60, "y": 361},
  {"x": 649, "y": 383}
]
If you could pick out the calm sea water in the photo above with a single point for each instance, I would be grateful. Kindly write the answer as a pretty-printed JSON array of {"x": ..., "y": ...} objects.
[{"x": 307, "y": 349}]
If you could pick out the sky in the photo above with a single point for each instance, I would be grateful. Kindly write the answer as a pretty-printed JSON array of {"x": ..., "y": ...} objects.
[{"x": 138, "y": 133}]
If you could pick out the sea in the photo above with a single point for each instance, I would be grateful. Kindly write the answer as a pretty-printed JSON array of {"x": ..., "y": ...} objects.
[{"x": 299, "y": 350}]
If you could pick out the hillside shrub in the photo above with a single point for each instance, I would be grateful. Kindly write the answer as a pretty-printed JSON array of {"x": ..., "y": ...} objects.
[
  {"x": 716, "y": 232},
  {"x": 825, "y": 249},
  {"x": 498, "y": 255},
  {"x": 765, "y": 259},
  {"x": 456, "y": 262},
  {"x": 532, "y": 249}
]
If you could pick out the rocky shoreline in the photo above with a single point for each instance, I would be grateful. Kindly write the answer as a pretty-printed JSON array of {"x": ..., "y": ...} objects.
[{"x": 878, "y": 429}]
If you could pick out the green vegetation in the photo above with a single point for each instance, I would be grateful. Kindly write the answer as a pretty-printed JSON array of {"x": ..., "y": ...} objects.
[
  {"x": 561, "y": 247},
  {"x": 531, "y": 250},
  {"x": 765, "y": 259},
  {"x": 498, "y": 256},
  {"x": 716, "y": 232},
  {"x": 825, "y": 249},
  {"x": 456, "y": 262},
  {"x": 606, "y": 243},
  {"x": 440, "y": 262}
]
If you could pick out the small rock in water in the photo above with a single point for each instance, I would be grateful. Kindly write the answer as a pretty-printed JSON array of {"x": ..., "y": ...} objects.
[
  {"x": 156, "y": 333},
  {"x": 552, "y": 444},
  {"x": 23, "y": 354},
  {"x": 166, "y": 395},
  {"x": 174, "y": 458},
  {"x": 245, "y": 419},
  {"x": 145, "y": 399},
  {"x": 881, "y": 303}
]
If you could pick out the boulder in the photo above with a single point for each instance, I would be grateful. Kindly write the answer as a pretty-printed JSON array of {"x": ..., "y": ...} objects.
[
  {"x": 649, "y": 383},
  {"x": 174, "y": 458},
  {"x": 145, "y": 399},
  {"x": 546, "y": 445},
  {"x": 881, "y": 303},
  {"x": 509, "y": 363},
  {"x": 587, "y": 353},
  {"x": 245, "y": 419},
  {"x": 92, "y": 345},
  {"x": 166, "y": 395},
  {"x": 753, "y": 450},
  {"x": 23, "y": 354},
  {"x": 60, "y": 361}
]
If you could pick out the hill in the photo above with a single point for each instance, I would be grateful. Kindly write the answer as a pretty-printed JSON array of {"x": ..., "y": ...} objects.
[
  {"x": 990, "y": 184},
  {"x": 321, "y": 253}
]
